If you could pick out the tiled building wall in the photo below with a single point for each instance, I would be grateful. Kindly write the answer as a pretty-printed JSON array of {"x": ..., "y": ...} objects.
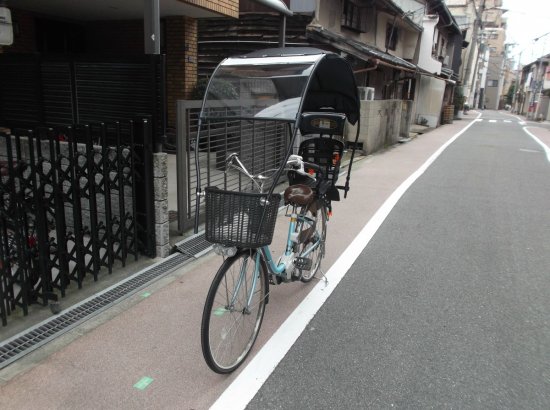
[
  {"x": 229, "y": 8},
  {"x": 181, "y": 62}
]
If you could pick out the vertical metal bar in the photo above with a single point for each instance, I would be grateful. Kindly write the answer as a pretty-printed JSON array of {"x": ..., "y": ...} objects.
[
  {"x": 253, "y": 146},
  {"x": 282, "y": 31},
  {"x": 208, "y": 150},
  {"x": 240, "y": 153},
  {"x": 182, "y": 163},
  {"x": 264, "y": 165},
  {"x": 226, "y": 152},
  {"x": 40, "y": 225},
  {"x": 121, "y": 184},
  {"x": 59, "y": 208},
  {"x": 20, "y": 276},
  {"x": 4, "y": 252},
  {"x": 107, "y": 196},
  {"x": 76, "y": 175},
  {"x": 90, "y": 154},
  {"x": 132, "y": 157}
]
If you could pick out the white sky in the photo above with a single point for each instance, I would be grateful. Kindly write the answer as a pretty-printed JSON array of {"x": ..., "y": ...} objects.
[{"x": 527, "y": 20}]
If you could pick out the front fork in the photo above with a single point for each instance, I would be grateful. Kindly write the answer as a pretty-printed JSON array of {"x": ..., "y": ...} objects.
[{"x": 241, "y": 281}]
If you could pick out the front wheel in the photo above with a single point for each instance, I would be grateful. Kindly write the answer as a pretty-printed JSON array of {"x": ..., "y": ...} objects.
[
  {"x": 312, "y": 230},
  {"x": 234, "y": 311}
]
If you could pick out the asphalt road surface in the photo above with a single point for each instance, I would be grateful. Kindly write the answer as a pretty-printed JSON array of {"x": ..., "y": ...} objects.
[{"x": 449, "y": 304}]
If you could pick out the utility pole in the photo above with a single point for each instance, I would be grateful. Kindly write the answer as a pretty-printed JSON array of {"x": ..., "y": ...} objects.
[
  {"x": 516, "y": 91},
  {"x": 482, "y": 82},
  {"x": 472, "y": 58}
]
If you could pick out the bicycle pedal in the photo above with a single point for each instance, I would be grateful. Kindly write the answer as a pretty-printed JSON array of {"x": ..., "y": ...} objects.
[{"x": 302, "y": 263}]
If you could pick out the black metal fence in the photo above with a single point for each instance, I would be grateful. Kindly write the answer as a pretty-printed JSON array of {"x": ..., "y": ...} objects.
[{"x": 68, "y": 207}]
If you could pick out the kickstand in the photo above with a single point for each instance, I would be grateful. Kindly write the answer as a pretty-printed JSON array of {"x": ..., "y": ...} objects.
[{"x": 323, "y": 277}]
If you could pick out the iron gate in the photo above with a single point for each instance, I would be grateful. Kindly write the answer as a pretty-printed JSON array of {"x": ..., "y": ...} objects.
[{"x": 68, "y": 207}]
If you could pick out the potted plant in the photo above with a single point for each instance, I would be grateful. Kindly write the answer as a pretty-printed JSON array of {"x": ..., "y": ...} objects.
[{"x": 458, "y": 101}]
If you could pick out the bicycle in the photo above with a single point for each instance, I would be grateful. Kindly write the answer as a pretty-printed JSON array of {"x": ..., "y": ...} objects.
[
  {"x": 287, "y": 111},
  {"x": 236, "y": 301}
]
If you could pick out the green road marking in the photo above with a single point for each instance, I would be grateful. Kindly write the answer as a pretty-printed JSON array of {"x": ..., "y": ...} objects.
[
  {"x": 143, "y": 383},
  {"x": 145, "y": 294},
  {"x": 219, "y": 311}
]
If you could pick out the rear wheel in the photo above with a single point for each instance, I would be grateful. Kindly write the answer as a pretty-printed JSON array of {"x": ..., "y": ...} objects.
[
  {"x": 312, "y": 230},
  {"x": 230, "y": 324}
]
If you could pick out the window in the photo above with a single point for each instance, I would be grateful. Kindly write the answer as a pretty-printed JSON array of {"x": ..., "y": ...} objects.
[
  {"x": 492, "y": 83},
  {"x": 391, "y": 36},
  {"x": 354, "y": 17}
]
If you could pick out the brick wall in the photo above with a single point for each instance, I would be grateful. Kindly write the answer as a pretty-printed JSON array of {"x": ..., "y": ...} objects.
[
  {"x": 181, "y": 62},
  {"x": 228, "y": 8}
]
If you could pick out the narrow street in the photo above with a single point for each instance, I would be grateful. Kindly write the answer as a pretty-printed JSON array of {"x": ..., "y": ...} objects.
[{"x": 447, "y": 306}]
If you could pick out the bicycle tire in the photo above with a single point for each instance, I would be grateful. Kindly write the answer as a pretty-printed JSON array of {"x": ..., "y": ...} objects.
[
  {"x": 226, "y": 336},
  {"x": 316, "y": 212}
]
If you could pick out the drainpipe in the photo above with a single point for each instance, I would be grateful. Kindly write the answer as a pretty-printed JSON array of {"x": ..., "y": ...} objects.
[
  {"x": 282, "y": 31},
  {"x": 151, "y": 20},
  {"x": 151, "y": 30}
]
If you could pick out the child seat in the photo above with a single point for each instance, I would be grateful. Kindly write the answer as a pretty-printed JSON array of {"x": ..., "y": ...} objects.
[{"x": 322, "y": 149}]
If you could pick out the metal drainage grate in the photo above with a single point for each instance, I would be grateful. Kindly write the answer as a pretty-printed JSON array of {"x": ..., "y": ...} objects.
[
  {"x": 194, "y": 246},
  {"x": 44, "y": 332}
]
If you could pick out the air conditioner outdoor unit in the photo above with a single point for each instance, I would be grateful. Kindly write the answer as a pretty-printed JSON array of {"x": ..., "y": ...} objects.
[{"x": 366, "y": 93}]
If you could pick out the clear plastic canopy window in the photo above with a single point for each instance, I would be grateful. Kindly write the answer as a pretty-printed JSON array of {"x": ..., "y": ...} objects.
[{"x": 258, "y": 87}]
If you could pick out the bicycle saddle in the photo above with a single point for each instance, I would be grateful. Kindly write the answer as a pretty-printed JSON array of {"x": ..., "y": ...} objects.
[{"x": 299, "y": 195}]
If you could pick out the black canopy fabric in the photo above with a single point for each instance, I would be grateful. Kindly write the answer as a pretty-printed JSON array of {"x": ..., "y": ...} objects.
[{"x": 332, "y": 83}]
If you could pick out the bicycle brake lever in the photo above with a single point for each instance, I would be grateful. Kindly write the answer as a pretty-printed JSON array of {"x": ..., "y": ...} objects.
[{"x": 229, "y": 159}]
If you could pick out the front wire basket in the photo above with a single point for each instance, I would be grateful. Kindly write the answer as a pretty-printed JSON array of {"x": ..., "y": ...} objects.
[{"x": 241, "y": 219}]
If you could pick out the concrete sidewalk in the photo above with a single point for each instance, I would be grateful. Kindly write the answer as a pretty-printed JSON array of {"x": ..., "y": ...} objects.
[{"x": 145, "y": 352}]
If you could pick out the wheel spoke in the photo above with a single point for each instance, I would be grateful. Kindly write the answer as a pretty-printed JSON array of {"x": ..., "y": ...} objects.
[
  {"x": 230, "y": 324},
  {"x": 312, "y": 246}
]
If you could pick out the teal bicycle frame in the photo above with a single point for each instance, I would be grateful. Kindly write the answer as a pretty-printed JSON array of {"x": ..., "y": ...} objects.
[{"x": 278, "y": 269}]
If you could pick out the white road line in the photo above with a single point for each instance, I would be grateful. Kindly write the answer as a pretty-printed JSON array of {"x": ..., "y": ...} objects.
[
  {"x": 492, "y": 120},
  {"x": 522, "y": 123},
  {"x": 245, "y": 386},
  {"x": 544, "y": 146},
  {"x": 529, "y": 150},
  {"x": 507, "y": 120}
]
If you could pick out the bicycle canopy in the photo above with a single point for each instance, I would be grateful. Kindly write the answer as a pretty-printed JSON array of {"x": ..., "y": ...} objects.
[
  {"x": 254, "y": 106},
  {"x": 281, "y": 84}
]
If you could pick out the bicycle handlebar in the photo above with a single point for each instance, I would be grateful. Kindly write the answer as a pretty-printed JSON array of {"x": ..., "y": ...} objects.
[{"x": 296, "y": 162}]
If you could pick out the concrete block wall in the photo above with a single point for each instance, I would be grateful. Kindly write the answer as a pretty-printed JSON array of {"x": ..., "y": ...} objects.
[
  {"x": 380, "y": 125},
  {"x": 160, "y": 183}
]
